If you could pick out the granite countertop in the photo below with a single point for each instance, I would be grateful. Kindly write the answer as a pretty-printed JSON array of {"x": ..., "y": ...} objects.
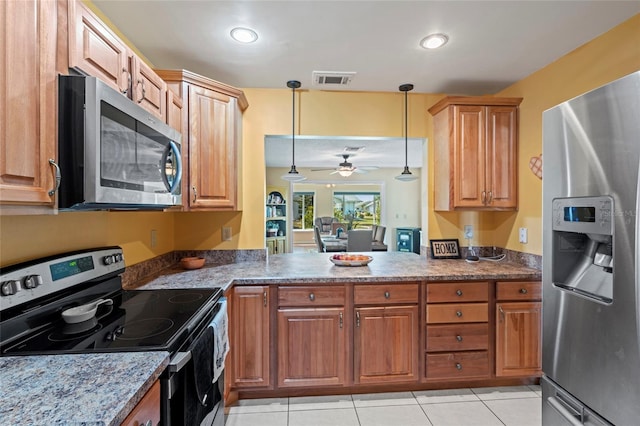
[
  {"x": 301, "y": 268},
  {"x": 79, "y": 389}
]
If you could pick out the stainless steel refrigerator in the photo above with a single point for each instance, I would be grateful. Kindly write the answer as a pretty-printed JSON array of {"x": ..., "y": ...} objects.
[{"x": 591, "y": 256}]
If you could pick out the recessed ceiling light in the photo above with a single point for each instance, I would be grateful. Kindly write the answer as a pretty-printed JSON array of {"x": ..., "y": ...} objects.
[
  {"x": 433, "y": 41},
  {"x": 244, "y": 35}
]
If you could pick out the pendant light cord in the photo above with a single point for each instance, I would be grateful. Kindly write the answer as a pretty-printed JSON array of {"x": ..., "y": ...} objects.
[
  {"x": 406, "y": 131},
  {"x": 293, "y": 126}
]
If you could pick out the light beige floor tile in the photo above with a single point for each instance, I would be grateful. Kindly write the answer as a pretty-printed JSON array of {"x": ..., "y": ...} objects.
[
  {"x": 257, "y": 419},
  {"x": 384, "y": 399},
  {"x": 472, "y": 413},
  {"x": 517, "y": 412},
  {"x": 537, "y": 389},
  {"x": 337, "y": 417},
  {"x": 320, "y": 402},
  {"x": 405, "y": 415},
  {"x": 445, "y": 395},
  {"x": 488, "y": 394},
  {"x": 266, "y": 405}
]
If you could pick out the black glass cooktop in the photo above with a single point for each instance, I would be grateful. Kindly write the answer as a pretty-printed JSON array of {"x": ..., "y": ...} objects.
[{"x": 137, "y": 320}]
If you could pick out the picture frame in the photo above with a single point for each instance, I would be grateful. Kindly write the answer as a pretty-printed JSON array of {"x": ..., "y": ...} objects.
[{"x": 445, "y": 249}]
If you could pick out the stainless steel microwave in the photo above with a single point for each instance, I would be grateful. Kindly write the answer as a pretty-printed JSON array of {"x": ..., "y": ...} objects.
[{"x": 112, "y": 153}]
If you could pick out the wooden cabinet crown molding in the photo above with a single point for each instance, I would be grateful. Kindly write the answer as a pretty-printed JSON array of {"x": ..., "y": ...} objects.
[
  {"x": 175, "y": 76},
  {"x": 473, "y": 100}
]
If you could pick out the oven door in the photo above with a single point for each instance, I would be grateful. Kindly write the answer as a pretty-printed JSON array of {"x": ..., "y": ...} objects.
[{"x": 190, "y": 396}]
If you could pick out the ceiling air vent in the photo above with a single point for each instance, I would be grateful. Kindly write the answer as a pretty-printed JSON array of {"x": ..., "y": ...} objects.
[{"x": 328, "y": 78}]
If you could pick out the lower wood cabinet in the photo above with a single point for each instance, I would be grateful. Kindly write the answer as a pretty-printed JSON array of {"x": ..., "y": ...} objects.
[
  {"x": 147, "y": 411},
  {"x": 386, "y": 344},
  {"x": 518, "y": 329},
  {"x": 250, "y": 337},
  {"x": 312, "y": 347}
]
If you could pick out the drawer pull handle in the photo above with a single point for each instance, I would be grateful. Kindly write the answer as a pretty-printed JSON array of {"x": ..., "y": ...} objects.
[
  {"x": 523, "y": 291},
  {"x": 459, "y": 338},
  {"x": 459, "y": 292},
  {"x": 458, "y": 366},
  {"x": 459, "y": 314},
  {"x": 312, "y": 297},
  {"x": 387, "y": 295}
]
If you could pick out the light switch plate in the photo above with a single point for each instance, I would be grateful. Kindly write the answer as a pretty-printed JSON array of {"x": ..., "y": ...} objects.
[
  {"x": 523, "y": 235},
  {"x": 226, "y": 233},
  {"x": 468, "y": 232}
]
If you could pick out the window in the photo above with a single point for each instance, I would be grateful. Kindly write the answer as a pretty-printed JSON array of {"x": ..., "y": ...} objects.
[
  {"x": 303, "y": 210},
  {"x": 359, "y": 209}
]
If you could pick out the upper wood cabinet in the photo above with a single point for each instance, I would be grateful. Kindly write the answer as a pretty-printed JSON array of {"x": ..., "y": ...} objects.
[
  {"x": 28, "y": 103},
  {"x": 96, "y": 50},
  {"x": 211, "y": 142},
  {"x": 476, "y": 153}
]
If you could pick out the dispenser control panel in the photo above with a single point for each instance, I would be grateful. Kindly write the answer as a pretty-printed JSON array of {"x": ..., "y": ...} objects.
[{"x": 583, "y": 215}]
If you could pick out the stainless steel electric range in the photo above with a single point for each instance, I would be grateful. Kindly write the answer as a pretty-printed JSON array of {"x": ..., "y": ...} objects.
[{"x": 35, "y": 294}]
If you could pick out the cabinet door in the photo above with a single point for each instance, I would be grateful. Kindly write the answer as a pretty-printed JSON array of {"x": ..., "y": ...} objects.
[
  {"x": 212, "y": 150},
  {"x": 311, "y": 347},
  {"x": 518, "y": 339},
  {"x": 469, "y": 156},
  {"x": 94, "y": 49},
  {"x": 386, "y": 344},
  {"x": 147, "y": 411},
  {"x": 501, "y": 157},
  {"x": 250, "y": 351},
  {"x": 28, "y": 96},
  {"x": 150, "y": 91},
  {"x": 280, "y": 245}
]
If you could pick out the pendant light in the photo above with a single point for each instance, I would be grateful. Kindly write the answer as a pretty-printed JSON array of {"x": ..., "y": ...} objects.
[
  {"x": 293, "y": 175},
  {"x": 406, "y": 175}
]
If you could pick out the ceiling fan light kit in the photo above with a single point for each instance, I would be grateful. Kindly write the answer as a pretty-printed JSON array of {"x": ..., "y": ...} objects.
[
  {"x": 293, "y": 175},
  {"x": 406, "y": 175}
]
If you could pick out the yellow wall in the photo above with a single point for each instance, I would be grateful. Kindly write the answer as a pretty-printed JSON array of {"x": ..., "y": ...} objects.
[{"x": 606, "y": 58}]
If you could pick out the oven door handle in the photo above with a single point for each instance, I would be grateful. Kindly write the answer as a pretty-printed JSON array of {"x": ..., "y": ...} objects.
[{"x": 178, "y": 362}]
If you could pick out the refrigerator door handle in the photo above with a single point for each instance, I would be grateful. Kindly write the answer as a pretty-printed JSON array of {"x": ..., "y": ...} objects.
[{"x": 565, "y": 411}]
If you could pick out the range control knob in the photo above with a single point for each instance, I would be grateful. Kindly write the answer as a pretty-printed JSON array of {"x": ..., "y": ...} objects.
[
  {"x": 108, "y": 260},
  {"x": 32, "y": 281},
  {"x": 119, "y": 257},
  {"x": 9, "y": 288}
]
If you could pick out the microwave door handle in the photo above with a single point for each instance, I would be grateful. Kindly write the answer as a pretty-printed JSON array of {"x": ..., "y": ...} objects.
[{"x": 176, "y": 154}]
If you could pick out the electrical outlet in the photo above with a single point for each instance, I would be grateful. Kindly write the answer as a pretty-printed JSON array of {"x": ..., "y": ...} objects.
[
  {"x": 154, "y": 238},
  {"x": 523, "y": 235},
  {"x": 468, "y": 232},
  {"x": 226, "y": 233}
]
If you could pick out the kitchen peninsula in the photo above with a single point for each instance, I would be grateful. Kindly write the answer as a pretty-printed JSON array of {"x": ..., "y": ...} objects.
[{"x": 300, "y": 325}]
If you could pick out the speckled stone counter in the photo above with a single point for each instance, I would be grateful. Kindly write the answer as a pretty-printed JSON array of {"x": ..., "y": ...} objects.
[
  {"x": 83, "y": 389},
  {"x": 300, "y": 268}
]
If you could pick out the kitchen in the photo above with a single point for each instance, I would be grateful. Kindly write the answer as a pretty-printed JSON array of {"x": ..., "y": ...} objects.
[{"x": 604, "y": 59}]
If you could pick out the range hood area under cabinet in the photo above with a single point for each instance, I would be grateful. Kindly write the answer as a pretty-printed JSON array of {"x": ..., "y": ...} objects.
[{"x": 476, "y": 153}]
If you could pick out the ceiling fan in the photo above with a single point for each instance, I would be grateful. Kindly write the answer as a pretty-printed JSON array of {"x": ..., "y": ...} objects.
[{"x": 346, "y": 168}]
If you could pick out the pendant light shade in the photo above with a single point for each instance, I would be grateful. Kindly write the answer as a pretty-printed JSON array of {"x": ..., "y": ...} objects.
[
  {"x": 293, "y": 175},
  {"x": 406, "y": 175}
]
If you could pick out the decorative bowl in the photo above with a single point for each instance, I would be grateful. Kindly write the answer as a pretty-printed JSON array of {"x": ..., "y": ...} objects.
[
  {"x": 350, "y": 259},
  {"x": 192, "y": 262}
]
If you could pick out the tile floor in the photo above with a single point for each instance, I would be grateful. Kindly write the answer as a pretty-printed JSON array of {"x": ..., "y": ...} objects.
[{"x": 499, "y": 406}]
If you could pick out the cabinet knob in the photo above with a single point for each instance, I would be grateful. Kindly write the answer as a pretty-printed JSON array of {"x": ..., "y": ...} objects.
[
  {"x": 312, "y": 297},
  {"x": 458, "y": 366},
  {"x": 459, "y": 338},
  {"x": 523, "y": 291},
  {"x": 387, "y": 295},
  {"x": 459, "y": 292},
  {"x": 459, "y": 314}
]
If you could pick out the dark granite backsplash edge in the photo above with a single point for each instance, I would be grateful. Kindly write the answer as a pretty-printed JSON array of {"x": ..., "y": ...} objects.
[
  {"x": 150, "y": 267},
  {"x": 525, "y": 259}
]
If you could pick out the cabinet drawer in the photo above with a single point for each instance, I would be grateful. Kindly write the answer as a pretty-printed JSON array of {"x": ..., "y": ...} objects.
[
  {"x": 520, "y": 290},
  {"x": 457, "y": 292},
  {"x": 148, "y": 409},
  {"x": 385, "y": 294},
  {"x": 457, "y": 312},
  {"x": 457, "y": 365},
  {"x": 457, "y": 337},
  {"x": 311, "y": 296}
]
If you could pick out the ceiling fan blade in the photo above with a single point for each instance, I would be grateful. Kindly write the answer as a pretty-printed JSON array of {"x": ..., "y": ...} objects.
[
  {"x": 323, "y": 169},
  {"x": 369, "y": 167},
  {"x": 333, "y": 172},
  {"x": 360, "y": 170}
]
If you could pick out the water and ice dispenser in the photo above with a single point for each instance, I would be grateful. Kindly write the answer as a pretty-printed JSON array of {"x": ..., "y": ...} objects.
[{"x": 583, "y": 259}]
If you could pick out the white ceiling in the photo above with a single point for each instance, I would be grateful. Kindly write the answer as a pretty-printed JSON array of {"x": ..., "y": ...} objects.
[{"x": 492, "y": 44}]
